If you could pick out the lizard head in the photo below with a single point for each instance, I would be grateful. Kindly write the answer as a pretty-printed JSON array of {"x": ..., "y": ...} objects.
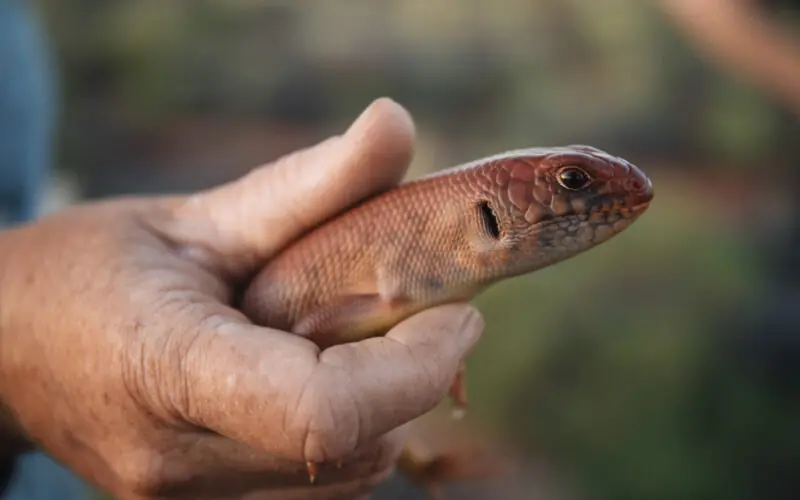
[{"x": 557, "y": 202}]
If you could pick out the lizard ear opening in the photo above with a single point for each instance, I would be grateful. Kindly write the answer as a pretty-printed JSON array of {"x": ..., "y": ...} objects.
[{"x": 489, "y": 220}]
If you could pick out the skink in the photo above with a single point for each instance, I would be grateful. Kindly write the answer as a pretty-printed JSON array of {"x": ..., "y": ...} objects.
[{"x": 444, "y": 238}]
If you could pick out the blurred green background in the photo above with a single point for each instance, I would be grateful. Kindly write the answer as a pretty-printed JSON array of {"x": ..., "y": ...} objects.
[{"x": 662, "y": 365}]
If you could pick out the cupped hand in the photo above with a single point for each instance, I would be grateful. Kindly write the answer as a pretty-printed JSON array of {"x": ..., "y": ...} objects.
[{"x": 123, "y": 356}]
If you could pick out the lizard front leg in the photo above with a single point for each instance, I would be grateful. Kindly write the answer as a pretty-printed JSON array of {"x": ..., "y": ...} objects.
[{"x": 361, "y": 315}]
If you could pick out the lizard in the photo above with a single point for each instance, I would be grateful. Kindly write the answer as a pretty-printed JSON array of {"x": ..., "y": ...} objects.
[{"x": 445, "y": 237}]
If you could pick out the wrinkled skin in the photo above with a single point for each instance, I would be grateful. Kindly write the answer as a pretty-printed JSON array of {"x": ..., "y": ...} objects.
[{"x": 121, "y": 355}]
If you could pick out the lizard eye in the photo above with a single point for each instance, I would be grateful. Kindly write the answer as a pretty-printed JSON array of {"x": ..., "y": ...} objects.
[{"x": 573, "y": 178}]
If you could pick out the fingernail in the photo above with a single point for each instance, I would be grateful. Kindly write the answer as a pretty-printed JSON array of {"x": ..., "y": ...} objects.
[
  {"x": 473, "y": 319},
  {"x": 472, "y": 325}
]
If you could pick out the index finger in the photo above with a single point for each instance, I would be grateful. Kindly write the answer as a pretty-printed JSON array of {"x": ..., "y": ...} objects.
[{"x": 277, "y": 392}]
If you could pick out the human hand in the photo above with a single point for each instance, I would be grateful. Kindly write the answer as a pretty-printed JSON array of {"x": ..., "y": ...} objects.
[{"x": 122, "y": 356}]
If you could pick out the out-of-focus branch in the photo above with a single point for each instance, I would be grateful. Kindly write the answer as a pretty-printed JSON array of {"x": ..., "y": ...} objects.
[{"x": 739, "y": 37}]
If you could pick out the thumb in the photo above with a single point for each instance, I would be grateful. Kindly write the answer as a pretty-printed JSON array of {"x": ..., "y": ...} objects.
[{"x": 248, "y": 220}]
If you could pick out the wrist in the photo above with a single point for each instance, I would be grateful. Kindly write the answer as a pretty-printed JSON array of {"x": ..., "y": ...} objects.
[{"x": 12, "y": 437}]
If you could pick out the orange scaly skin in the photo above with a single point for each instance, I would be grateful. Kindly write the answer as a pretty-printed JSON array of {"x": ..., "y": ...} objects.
[{"x": 444, "y": 238}]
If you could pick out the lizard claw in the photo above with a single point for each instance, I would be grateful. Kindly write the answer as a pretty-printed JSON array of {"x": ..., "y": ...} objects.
[
  {"x": 311, "y": 467},
  {"x": 458, "y": 392}
]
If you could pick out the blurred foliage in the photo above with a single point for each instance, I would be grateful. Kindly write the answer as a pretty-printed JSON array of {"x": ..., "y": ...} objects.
[
  {"x": 615, "y": 366},
  {"x": 608, "y": 371},
  {"x": 487, "y": 74}
]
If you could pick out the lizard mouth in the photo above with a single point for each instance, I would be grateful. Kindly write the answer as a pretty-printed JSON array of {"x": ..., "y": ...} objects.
[
  {"x": 621, "y": 210},
  {"x": 624, "y": 212}
]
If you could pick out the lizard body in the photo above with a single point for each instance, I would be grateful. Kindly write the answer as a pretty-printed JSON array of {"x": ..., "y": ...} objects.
[{"x": 443, "y": 238}]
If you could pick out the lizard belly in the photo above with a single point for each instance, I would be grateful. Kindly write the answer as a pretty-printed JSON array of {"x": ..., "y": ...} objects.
[{"x": 370, "y": 307}]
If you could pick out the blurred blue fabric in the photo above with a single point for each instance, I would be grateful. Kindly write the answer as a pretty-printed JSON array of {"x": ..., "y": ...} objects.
[
  {"x": 38, "y": 477},
  {"x": 27, "y": 111},
  {"x": 27, "y": 118}
]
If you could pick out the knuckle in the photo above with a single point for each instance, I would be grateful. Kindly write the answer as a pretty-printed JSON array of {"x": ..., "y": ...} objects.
[
  {"x": 331, "y": 421},
  {"x": 157, "y": 369}
]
